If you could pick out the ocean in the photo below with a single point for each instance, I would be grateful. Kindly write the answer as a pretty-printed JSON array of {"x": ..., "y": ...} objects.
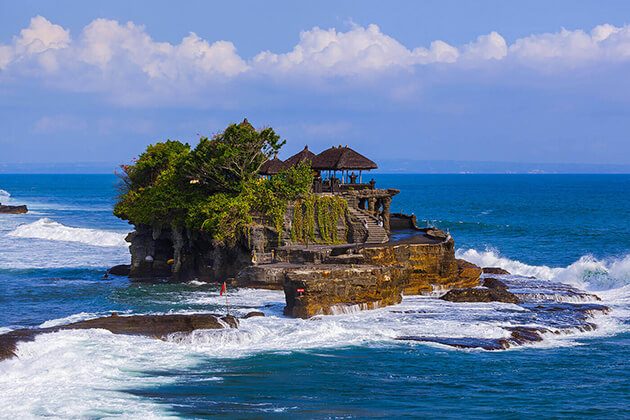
[{"x": 568, "y": 229}]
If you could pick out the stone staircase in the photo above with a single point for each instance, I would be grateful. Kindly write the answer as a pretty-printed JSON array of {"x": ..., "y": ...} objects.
[{"x": 376, "y": 234}]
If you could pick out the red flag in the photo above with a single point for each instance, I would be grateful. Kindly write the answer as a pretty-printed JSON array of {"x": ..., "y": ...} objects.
[{"x": 223, "y": 289}]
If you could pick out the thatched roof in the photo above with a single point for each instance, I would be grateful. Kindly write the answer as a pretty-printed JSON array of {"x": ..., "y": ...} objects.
[
  {"x": 271, "y": 166},
  {"x": 341, "y": 159},
  {"x": 302, "y": 156}
]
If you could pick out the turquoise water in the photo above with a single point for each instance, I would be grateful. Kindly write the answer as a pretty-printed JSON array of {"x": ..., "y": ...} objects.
[{"x": 561, "y": 228}]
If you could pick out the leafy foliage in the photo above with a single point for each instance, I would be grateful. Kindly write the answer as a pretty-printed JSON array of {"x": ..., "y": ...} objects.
[
  {"x": 323, "y": 211},
  {"x": 232, "y": 158},
  {"x": 214, "y": 188}
]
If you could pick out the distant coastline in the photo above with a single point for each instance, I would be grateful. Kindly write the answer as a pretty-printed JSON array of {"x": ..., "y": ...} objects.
[{"x": 387, "y": 166}]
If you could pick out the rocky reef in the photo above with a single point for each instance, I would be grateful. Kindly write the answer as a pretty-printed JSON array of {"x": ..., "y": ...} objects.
[
  {"x": 156, "y": 326},
  {"x": 5, "y": 209}
]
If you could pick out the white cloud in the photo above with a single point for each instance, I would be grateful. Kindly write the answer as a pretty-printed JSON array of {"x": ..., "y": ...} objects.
[
  {"x": 40, "y": 40},
  {"x": 107, "y": 44},
  {"x": 40, "y": 36},
  {"x": 339, "y": 53},
  {"x": 487, "y": 47},
  {"x": 124, "y": 60}
]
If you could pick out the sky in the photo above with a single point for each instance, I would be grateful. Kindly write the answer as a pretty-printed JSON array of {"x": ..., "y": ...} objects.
[{"x": 92, "y": 83}]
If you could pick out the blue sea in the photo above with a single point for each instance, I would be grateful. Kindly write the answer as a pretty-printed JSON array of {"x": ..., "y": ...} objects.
[{"x": 569, "y": 229}]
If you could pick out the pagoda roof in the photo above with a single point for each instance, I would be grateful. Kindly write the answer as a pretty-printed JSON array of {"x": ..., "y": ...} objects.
[
  {"x": 301, "y": 156},
  {"x": 342, "y": 158},
  {"x": 271, "y": 166}
]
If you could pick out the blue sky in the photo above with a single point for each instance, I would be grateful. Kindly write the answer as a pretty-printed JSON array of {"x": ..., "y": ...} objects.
[{"x": 533, "y": 81}]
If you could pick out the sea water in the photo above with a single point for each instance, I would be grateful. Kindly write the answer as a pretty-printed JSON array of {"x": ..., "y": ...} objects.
[{"x": 571, "y": 229}]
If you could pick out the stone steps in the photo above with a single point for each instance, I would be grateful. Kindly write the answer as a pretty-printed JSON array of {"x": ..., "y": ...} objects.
[{"x": 376, "y": 234}]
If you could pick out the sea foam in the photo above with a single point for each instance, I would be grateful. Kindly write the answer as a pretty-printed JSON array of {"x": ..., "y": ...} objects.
[
  {"x": 53, "y": 231},
  {"x": 587, "y": 273}
]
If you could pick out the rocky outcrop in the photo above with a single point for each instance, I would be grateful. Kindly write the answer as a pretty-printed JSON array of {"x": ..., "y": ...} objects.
[
  {"x": 180, "y": 255},
  {"x": 120, "y": 270},
  {"x": 327, "y": 290},
  {"x": 425, "y": 266},
  {"x": 326, "y": 280},
  {"x": 156, "y": 326},
  {"x": 4, "y": 209},
  {"x": 480, "y": 294},
  {"x": 495, "y": 270},
  {"x": 492, "y": 283}
]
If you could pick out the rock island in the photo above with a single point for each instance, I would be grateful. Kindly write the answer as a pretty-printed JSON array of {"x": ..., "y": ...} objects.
[{"x": 312, "y": 225}]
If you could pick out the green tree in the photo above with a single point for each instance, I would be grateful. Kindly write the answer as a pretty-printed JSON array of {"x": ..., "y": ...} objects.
[{"x": 227, "y": 161}]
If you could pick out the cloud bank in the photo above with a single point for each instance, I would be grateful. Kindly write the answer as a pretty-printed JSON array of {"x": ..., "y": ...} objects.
[{"x": 118, "y": 58}]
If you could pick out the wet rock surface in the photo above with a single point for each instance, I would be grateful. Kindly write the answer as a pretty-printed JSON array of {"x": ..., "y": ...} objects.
[
  {"x": 556, "y": 310},
  {"x": 492, "y": 283},
  {"x": 4, "y": 209},
  {"x": 120, "y": 270},
  {"x": 253, "y": 314},
  {"x": 480, "y": 294},
  {"x": 494, "y": 270},
  {"x": 156, "y": 326}
]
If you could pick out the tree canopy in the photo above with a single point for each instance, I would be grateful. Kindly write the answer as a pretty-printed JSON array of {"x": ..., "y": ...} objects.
[{"x": 214, "y": 187}]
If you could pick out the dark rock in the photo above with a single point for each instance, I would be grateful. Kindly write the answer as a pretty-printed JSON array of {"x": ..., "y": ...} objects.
[
  {"x": 253, "y": 314},
  {"x": 492, "y": 283},
  {"x": 480, "y": 295},
  {"x": 120, "y": 270},
  {"x": 13, "y": 209},
  {"x": 524, "y": 335},
  {"x": 156, "y": 326},
  {"x": 494, "y": 270},
  {"x": 461, "y": 342},
  {"x": 230, "y": 320}
]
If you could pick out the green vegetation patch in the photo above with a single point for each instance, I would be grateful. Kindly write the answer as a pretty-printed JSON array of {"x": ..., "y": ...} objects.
[
  {"x": 324, "y": 210},
  {"x": 214, "y": 188}
]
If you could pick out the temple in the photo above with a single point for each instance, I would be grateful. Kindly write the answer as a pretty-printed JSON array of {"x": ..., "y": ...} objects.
[{"x": 339, "y": 171}]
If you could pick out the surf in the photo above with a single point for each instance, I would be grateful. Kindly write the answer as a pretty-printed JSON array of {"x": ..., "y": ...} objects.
[{"x": 50, "y": 230}]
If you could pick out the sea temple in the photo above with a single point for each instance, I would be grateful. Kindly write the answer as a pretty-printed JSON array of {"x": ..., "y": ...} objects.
[{"x": 333, "y": 247}]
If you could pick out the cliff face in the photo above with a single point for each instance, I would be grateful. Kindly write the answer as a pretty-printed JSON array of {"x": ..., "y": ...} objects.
[
  {"x": 328, "y": 290},
  {"x": 179, "y": 255},
  {"x": 425, "y": 267}
]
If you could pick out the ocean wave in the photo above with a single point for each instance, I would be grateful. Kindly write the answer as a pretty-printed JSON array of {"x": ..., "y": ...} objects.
[
  {"x": 53, "y": 231},
  {"x": 588, "y": 272},
  {"x": 4, "y": 195}
]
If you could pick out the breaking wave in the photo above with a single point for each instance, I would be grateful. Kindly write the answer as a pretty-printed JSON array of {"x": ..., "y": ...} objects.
[
  {"x": 4, "y": 195},
  {"x": 53, "y": 231},
  {"x": 587, "y": 273}
]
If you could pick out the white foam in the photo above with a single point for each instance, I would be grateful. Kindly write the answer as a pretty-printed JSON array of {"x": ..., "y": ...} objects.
[
  {"x": 83, "y": 374},
  {"x": 4, "y": 195},
  {"x": 587, "y": 273},
  {"x": 53, "y": 231}
]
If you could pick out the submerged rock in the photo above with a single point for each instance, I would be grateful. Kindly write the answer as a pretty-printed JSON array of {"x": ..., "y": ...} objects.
[
  {"x": 480, "y": 294},
  {"x": 4, "y": 209},
  {"x": 495, "y": 270},
  {"x": 156, "y": 326},
  {"x": 492, "y": 283},
  {"x": 253, "y": 314}
]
